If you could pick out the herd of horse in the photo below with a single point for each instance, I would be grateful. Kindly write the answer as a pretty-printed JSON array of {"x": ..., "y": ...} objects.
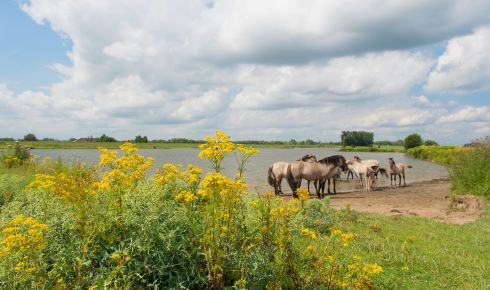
[{"x": 321, "y": 172}]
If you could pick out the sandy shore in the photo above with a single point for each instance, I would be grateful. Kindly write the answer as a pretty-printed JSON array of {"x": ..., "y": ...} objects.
[{"x": 429, "y": 199}]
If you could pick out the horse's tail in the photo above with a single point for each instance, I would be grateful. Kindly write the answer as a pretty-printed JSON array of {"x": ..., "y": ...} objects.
[
  {"x": 271, "y": 177},
  {"x": 290, "y": 179},
  {"x": 409, "y": 166}
]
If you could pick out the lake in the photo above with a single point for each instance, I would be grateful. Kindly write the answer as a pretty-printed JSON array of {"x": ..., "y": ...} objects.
[{"x": 256, "y": 174}]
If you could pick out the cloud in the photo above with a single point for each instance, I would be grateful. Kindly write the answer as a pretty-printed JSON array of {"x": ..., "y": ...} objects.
[
  {"x": 293, "y": 69},
  {"x": 468, "y": 114},
  {"x": 465, "y": 65}
]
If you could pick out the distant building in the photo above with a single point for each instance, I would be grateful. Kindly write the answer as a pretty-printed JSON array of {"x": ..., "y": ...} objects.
[{"x": 87, "y": 139}]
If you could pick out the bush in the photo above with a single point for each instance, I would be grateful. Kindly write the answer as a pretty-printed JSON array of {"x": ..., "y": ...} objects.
[
  {"x": 14, "y": 156},
  {"x": 470, "y": 172},
  {"x": 412, "y": 140}
]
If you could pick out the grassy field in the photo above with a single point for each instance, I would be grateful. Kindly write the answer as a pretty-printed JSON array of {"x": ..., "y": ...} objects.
[
  {"x": 374, "y": 148},
  {"x": 438, "y": 255}
]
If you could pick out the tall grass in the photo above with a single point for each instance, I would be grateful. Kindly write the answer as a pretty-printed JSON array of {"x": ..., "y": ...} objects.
[
  {"x": 440, "y": 154},
  {"x": 470, "y": 172}
]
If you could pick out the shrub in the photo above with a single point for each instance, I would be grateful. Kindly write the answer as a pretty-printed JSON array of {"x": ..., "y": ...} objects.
[{"x": 470, "y": 172}]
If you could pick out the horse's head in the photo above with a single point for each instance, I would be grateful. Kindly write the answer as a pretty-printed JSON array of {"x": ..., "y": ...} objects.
[
  {"x": 343, "y": 163},
  {"x": 356, "y": 158},
  {"x": 391, "y": 161}
]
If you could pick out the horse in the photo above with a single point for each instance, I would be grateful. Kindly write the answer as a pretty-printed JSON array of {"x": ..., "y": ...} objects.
[
  {"x": 335, "y": 176},
  {"x": 278, "y": 171},
  {"x": 397, "y": 169},
  {"x": 366, "y": 168},
  {"x": 322, "y": 169}
]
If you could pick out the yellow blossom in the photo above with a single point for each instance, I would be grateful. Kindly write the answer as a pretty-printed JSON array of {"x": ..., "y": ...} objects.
[{"x": 310, "y": 234}]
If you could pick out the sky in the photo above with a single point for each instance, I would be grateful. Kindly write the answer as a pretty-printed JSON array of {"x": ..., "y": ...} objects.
[{"x": 261, "y": 70}]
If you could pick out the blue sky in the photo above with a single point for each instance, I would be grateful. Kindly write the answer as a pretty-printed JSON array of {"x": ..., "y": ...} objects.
[
  {"x": 302, "y": 70},
  {"x": 28, "y": 49}
]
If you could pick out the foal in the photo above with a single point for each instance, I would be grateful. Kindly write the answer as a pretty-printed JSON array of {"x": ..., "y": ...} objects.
[{"x": 397, "y": 169}]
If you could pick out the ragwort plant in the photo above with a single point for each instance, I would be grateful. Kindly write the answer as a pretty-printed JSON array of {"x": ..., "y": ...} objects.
[{"x": 109, "y": 227}]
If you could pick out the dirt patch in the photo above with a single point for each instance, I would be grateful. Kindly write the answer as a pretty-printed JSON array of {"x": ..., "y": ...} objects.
[
  {"x": 429, "y": 199},
  {"x": 426, "y": 199}
]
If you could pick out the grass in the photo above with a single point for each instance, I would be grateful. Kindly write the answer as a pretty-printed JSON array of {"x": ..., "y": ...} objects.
[
  {"x": 375, "y": 148},
  {"x": 112, "y": 145},
  {"x": 469, "y": 167},
  {"x": 442, "y": 256}
]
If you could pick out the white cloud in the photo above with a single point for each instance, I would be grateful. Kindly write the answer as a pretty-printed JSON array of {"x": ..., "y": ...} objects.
[
  {"x": 468, "y": 114},
  {"x": 465, "y": 65},
  {"x": 290, "y": 68}
]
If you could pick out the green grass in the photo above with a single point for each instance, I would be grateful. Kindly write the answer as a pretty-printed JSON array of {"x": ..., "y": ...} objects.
[
  {"x": 443, "y": 256},
  {"x": 440, "y": 154},
  {"x": 375, "y": 148},
  {"x": 112, "y": 145}
]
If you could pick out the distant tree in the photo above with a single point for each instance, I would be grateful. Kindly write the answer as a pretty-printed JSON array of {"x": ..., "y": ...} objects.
[
  {"x": 30, "y": 137},
  {"x": 430, "y": 143},
  {"x": 49, "y": 139},
  {"x": 7, "y": 139},
  {"x": 292, "y": 141},
  {"x": 105, "y": 138},
  {"x": 398, "y": 143},
  {"x": 140, "y": 139},
  {"x": 412, "y": 140},
  {"x": 357, "y": 138},
  {"x": 72, "y": 139}
]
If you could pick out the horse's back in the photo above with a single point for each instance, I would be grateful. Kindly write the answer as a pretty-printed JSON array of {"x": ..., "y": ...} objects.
[{"x": 280, "y": 168}]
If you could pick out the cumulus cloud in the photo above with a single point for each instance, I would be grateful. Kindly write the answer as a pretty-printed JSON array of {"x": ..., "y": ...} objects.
[
  {"x": 465, "y": 65},
  {"x": 468, "y": 114},
  {"x": 291, "y": 68}
]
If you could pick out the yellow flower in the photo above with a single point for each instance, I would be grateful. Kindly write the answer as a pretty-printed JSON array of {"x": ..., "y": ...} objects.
[
  {"x": 185, "y": 197},
  {"x": 303, "y": 194},
  {"x": 372, "y": 269},
  {"x": 121, "y": 258},
  {"x": 310, "y": 234},
  {"x": 216, "y": 148},
  {"x": 405, "y": 269}
]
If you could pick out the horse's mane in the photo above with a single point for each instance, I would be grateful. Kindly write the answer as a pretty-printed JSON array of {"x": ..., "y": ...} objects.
[{"x": 332, "y": 159}]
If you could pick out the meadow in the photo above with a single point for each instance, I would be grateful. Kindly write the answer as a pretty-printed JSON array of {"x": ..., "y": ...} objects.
[{"x": 68, "y": 226}]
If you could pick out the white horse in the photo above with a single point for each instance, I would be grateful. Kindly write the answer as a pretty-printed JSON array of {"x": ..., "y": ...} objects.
[
  {"x": 278, "y": 171},
  {"x": 397, "y": 169},
  {"x": 366, "y": 168}
]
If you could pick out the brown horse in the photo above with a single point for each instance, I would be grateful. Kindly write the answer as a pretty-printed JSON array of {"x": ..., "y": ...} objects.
[
  {"x": 312, "y": 171},
  {"x": 397, "y": 169}
]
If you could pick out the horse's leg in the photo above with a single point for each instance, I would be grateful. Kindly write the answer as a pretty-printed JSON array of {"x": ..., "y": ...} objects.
[
  {"x": 309, "y": 187},
  {"x": 279, "y": 181},
  {"x": 404, "y": 184},
  {"x": 334, "y": 189},
  {"x": 399, "y": 180}
]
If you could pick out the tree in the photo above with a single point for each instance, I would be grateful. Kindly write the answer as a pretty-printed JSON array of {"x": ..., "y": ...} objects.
[
  {"x": 30, "y": 137},
  {"x": 105, "y": 138},
  {"x": 139, "y": 139},
  {"x": 357, "y": 138},
  {"x": 430, "y": 143},
  {"x": 412, "y": 140}
]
